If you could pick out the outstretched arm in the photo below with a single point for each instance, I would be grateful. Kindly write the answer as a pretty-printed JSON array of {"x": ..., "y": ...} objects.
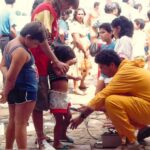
[{"x": 85, "y": 112}]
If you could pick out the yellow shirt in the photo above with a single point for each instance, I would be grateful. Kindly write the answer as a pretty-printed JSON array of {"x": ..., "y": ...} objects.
[{"x": 130, "y": 79}]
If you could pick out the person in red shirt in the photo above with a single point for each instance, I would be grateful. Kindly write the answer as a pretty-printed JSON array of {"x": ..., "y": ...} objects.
[{"x": 47, "y": 13}]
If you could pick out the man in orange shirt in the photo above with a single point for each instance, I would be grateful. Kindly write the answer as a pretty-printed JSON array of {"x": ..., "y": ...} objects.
[{"x": 126, "y": 98}]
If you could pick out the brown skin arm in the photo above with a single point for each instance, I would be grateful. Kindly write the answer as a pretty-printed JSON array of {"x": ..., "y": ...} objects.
[
  {"x": 13, "y": 32},
  {"x": 100, "y": 85},
  {"x": 81, "y": 44},
  {"x": 59, "y": 66},
  {"x": 19, "y": 58},
  {"x": 85, "y": 112}
]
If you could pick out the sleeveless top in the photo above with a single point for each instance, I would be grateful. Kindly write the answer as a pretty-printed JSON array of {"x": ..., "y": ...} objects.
[
  {"x": 28, "y": 76},
  {"x": 53, "y": 77}
]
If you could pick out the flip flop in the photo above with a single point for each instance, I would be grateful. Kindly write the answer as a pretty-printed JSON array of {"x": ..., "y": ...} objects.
[{"x": 67, "y": 140}]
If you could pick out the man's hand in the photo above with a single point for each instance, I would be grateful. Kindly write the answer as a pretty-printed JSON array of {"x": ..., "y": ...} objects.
[
  {"x": 76, "y": 122},
  {"x": 85, "y": 112},
  {"x": 60, "y": 68}
]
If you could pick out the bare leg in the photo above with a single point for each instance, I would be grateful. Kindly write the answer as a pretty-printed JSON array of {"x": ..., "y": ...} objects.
[
  {"x": 22, "y": 114},
  {"x": 10, "y": 131},
  {"x": 66, "y": 123},
  {"x": 58, "y": 129},
  {"x": 37, "y": 117}
]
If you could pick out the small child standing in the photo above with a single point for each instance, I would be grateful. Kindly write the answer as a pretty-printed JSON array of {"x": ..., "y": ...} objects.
[{"x": 59, "y": 103}]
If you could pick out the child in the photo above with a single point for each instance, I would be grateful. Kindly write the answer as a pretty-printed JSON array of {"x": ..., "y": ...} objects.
[{"x": 59, "y": 103}]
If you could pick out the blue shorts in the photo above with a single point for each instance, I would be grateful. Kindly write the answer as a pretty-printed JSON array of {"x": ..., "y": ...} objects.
[{"x": 17, "y": 96}]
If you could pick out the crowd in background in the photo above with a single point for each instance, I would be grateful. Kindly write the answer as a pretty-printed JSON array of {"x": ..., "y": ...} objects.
[{"x": 120, "y": 26}]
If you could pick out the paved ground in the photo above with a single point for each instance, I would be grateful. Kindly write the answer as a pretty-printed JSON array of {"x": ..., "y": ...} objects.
[{"x": 85, "y": 137}]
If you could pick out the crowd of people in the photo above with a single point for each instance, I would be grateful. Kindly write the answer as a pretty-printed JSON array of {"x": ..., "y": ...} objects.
[{"x": 57, "y": 45}]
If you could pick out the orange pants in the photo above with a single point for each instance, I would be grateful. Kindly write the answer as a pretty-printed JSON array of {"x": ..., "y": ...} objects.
[{"x": 125, "y": 112}]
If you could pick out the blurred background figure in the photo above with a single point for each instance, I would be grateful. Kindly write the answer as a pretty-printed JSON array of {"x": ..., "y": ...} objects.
[
  {"x": 7, "y": 23},
  {"x": 81, "y": 42}
]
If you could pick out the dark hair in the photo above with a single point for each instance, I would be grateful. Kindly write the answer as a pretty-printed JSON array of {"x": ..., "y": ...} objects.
[
  {"x": 66, "y": 12},
  {"x": 76, "y": 11},
  {"x": 117, "y": 6},
  {"x": 126, "y": 26},
  {"x": 106, "y": 26},
  {"x": 125, "y": 1},
  {"x": 35, "y": 30},
  {"x": 96, "y": 4},
  {"x": 74, "y": 3},
  {"x": 136, "y": 6},
  {"x": 35, "y": 4},
  {"x": 64, "y": 53},
  {"x": 110, "y": 7},
  {"x": 140, "y": 22},
  {"x": 107, "y": 57},
  {"x": 148, "y": 14},
  {"x": 9, "y": 1}
]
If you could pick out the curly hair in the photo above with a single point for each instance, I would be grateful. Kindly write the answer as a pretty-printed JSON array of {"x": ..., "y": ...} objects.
[
  {"x": 107, "y": 57},
  {"x": 126, "y": 26}
]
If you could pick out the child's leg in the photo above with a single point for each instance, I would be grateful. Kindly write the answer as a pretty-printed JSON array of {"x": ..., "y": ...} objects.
[
  {"x": 58, "y": 129},
  {"x": 22, "y": 114},
  {"x": 66, "y": 123},
  {"x": 10, "y": 132}
]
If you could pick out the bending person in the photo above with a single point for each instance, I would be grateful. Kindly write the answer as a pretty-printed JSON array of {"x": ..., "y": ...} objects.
[{"x": 124, "y": 98}]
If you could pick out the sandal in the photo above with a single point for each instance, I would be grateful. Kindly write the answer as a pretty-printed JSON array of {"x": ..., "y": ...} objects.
[{"x": 67, "y": 140}]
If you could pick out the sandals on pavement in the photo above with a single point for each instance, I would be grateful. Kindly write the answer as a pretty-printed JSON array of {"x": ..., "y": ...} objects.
[{"x": 67, "y": 140}]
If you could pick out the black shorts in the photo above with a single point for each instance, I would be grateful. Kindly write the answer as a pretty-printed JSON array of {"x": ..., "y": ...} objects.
[{"x": 17, "y": 96}]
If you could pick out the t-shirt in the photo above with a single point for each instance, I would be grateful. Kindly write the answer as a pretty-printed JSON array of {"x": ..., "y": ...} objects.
[
  {"x": 7, "y": 20},
  {"x": 46, "y": 14},
  {"x": 124, "y": 47}
]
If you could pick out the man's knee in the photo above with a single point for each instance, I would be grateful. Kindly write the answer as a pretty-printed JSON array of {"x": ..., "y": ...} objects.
[{"x": 110, "y": 101}]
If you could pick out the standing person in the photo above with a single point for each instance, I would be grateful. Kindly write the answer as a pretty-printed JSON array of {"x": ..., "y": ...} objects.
[
  {"x": 59, "y": 103},
  {"x": 126, "y": 103},
  {"x": 91, "y": 19},
  {"x": 139, "y": 39},
  {"x": 21, "y": 82},
  {"x": 7, "y": 24},
  {"x": 80, "y": 38},
  {"x": 47, "y": 13},
  {"x": 123, "y": 32},
  {"x": 106, "y": 35},
  {"x": 64, "y": 35}
]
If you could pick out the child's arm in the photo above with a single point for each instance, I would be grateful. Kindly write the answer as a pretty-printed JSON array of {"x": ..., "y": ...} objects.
[
  {"x": 73, "y": 77},
  {"x": 71, "y": 62}
]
